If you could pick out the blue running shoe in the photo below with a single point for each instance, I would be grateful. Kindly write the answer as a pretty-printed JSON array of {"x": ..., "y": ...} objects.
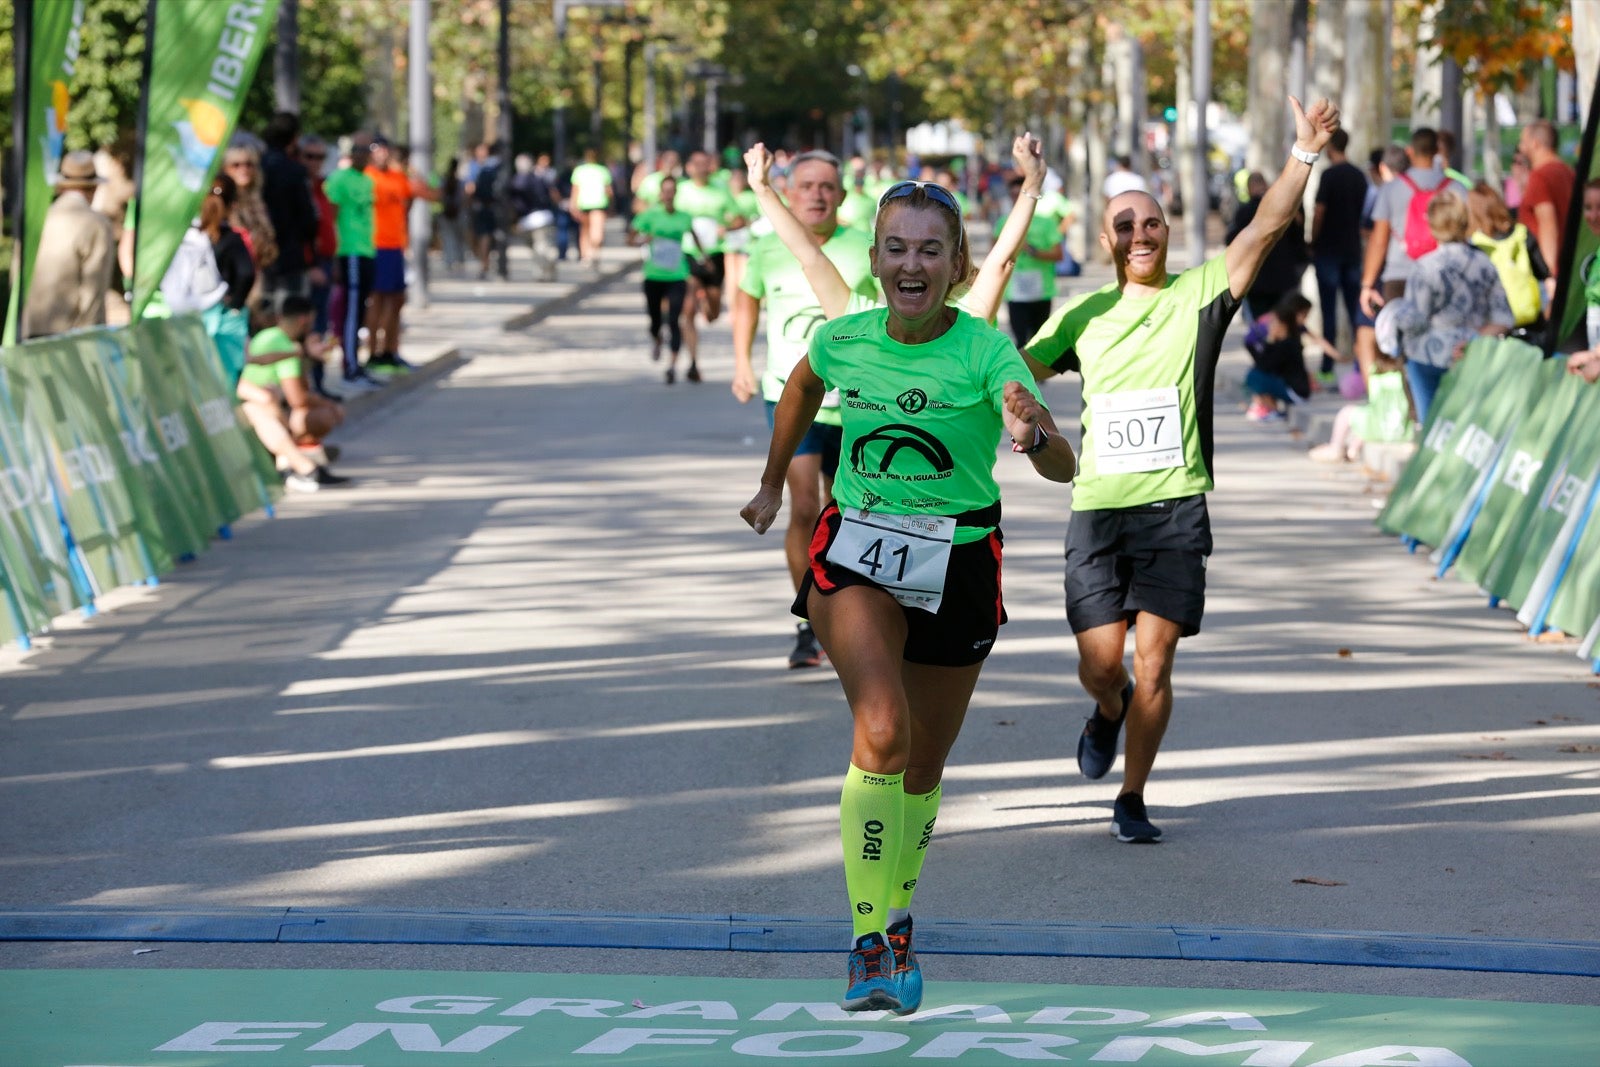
[
  {"x": 1097, "y": 745},
  {"x": 1131, "y": 822},
  {"x": 872, "y": 984},
  {"x": 907, "y": 972}
]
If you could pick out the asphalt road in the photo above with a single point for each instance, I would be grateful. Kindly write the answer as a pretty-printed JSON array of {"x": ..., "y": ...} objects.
[{"x": 534, "y": 661}]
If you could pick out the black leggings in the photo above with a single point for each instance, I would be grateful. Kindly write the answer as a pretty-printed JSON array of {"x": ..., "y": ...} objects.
[{"x": 672, "y": 293}]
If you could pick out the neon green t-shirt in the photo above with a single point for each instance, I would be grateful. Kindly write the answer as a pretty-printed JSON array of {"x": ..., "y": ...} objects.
[
  {"x": 747, "y": 207},
  {"x": 273, "y": 341},
  {"x": 1149, "y": 367},
  {"x": 591, "y": 186},
  {"x": 1033, "y": 279},
  {"x": 858, "y": 211},
  {"x": 1055, "y": 207},
  {"x": 712, "y": 209},
  {"x": 664, "y": 260},
  {"x": 650, "y": 188},
  {"x": 793, "y": 313},
  {"x": 350, "y": 191},
  {"x": 921, "y": 422}
]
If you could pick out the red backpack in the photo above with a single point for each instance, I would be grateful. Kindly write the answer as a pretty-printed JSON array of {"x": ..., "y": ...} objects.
[{"x": 1418, "y": 234}]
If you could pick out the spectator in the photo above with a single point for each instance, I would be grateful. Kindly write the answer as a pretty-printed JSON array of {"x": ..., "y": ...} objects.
[
  {"x": 228, "y": 320},
  {"x": 1286, "y": 262},
  {"x": 324, "y": 247},
  {"x": 1453, "y": 295},
  {"x": 1547, "y": 195},
  {"x": 391, "y": 198},
  {"x": 286, "y": 192},
  {"x": 483, "y": 190},
  {"x": 288, "y": 418},
  {"x": 1389, "y": 264},
  {"x": 1336, "y": 240},
  {"x": 350, "y": 191},
  {"x": 72, "y": 269},
  {"x": 112, "y": 197},
  {"x": 1588, "y": 276},
  {"x": 1516, "y": 181},
  {"x": 452, "y": 219},
  {"x": 1384, "y": 416},
  {"x": 1513, "y": 251},
  {"x": 1276, "y": 343},
  {"x": 1122, "y": 179},
  {"x": 534, "y": 207},
  {"x": 242, "y": 163}
]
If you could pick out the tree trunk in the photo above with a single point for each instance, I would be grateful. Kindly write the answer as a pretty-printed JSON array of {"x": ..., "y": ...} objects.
[
  {"x": 286, "y": 58},
  {"x": 1586, "y": 50},
  {"x": 1268, "y": 74},
  {"x": 1328, "y": 51},
  {"x": 1366, "y": 109},
  {"x": 1427, "y": 76}
]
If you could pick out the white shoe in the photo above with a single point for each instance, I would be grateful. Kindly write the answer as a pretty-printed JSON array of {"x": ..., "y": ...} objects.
[{"x": 301, "y": 483}]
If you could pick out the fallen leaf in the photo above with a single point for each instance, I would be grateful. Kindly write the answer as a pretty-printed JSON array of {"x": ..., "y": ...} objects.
[
  {"x": 1485, "y": 755},
  {"x": 1540, "y": 722},
  {"x": 1316, "y": 881},
  {"x": 1345, "y": 653},
  {"x": 1449, "y": 870},
  {"x": 1005, "y": 722},
  {"x": 1564, "y": 718},
  {"x": 1491, "y": 739},
  {"x": 1579, "y": 748}
]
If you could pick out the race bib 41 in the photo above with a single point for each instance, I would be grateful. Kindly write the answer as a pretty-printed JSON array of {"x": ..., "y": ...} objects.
[{"x": 907, "y": 555}]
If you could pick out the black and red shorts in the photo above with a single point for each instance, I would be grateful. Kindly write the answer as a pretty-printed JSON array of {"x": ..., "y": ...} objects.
[{"x": 969, "y": 616}]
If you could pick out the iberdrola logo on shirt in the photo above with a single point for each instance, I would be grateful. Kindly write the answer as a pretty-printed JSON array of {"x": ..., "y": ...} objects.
[{"x": 897, "y": 450}]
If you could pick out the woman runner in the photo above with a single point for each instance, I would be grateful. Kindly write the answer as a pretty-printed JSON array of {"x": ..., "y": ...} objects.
[
  {"x": 666, "y": 272},
  {"x": 903, "y": 586}
]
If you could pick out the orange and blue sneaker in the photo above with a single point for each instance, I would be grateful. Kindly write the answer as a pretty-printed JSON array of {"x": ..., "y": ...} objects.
[
  {"x": 872, "y": 979},
  {"x": 907, "y": 972}
]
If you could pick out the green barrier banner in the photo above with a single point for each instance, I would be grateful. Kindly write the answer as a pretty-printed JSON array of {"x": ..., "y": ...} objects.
[
  {"x": 159, "y": 439},
  {"x": 1572, "y": 467},
  {"x": 34, "y": 569},
  {"x": 1569, "y": 497},
  {"x": 1463, "y": 441},
  {"x": 1522, "y": 472},
  {"x": 1576, "y": 607},
  {"x": 241, "y": 472},
  {"x": 203, "y": 57},
  {"x": 64, "y": 423},
  {"x": 49, "y": 34}
]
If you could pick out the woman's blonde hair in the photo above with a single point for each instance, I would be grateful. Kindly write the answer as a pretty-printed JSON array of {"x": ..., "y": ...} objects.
[
  {"x": 919, "y": 199},
  {"x": 1447, "y": 218},
  {"x": 1488, "y": 210}
]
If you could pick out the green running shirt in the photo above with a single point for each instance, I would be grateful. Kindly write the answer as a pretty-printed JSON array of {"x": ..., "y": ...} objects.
[
  {"x": 271, "y": 342},
  {"x": 1032, "y": 279},
  {"x": 350, "y": 191},
  {"x": 793, "y": 313},
  {"x": 591, "y": 186},
  {"x": 1149, "y": 368},
  {"x": 707, "y": 202},
  {"x": 664, "y": 260},
  {"x": 921, "y": 422}
]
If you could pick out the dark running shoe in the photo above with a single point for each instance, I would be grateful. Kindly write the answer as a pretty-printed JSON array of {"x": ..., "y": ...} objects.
[
  {"x": 1131, "y": 823},
  {"x": 807, "y": 653},
  {"x": 871, "y": 976},
  {"x": 907, "y": 972},
  {"x": 1097, "y": 745},
  {"x": 693, "y": 373},
  {"x": 326, "y": 477}
]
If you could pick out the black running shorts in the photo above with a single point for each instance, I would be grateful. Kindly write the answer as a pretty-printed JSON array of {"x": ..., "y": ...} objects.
[
  {"x": 969, "y": 616},
  {"x": 1121, "y": 561}
]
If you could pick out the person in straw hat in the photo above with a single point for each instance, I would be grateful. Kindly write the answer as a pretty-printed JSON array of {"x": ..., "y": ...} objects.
[{"x": 77, "y": 250}]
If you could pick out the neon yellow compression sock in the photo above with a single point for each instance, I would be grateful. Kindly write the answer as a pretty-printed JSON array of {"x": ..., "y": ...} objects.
[
  {"x": 871, "y": 827},
  {"x": 921, "y": 813}
]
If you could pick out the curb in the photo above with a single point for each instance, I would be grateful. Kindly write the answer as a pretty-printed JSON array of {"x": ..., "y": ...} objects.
[{"x": 562, "y": 303}]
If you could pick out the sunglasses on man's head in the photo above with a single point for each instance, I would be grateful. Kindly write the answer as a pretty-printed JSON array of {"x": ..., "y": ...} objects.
[{"x": 933, "y": 190}]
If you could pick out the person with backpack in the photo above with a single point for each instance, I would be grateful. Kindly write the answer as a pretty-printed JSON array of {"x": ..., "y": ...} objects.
[
  {"x": 1513, "y": 251},
  {"x": 1400, "y": 231},
  {"x": 483, "y": 189}
]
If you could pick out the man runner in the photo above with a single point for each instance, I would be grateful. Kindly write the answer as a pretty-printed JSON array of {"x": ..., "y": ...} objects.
[
  {"x": 1147, "y": 349},
  {"x": 714, "y": 213},
  {"x": 773, "y": 275}
]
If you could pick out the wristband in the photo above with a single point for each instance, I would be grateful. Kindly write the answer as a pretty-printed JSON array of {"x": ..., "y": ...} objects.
[
  {"x": 1040, "y": 440},
  {"x": 1036, "y": 196},
  {"x": 1308, "y": 158}
]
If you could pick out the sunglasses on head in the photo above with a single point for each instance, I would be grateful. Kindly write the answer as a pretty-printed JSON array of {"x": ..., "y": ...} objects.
[{"x": 932, "y": 190}]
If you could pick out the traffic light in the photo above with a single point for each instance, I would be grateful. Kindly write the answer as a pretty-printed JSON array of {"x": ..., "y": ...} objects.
[{"x": 1171, "y": 114}]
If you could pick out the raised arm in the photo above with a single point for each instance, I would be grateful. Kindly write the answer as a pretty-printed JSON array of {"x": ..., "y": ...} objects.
[
  {"x": 989, "y": 288},
  {"x": 833, "y": 294},
  {"x": 1245, "y": 255}
]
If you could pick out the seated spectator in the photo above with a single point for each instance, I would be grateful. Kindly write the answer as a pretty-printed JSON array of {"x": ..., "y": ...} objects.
[
  {"x": 1453, "y": 296},
  {"x": 1384, "y": 416},
  {"x": 277, "y": 400},
  {"x": 1276, "y": 343}
]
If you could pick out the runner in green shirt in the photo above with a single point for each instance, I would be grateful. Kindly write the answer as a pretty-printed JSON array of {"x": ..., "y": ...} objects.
[
  {"x": 1147, "y": 349},
  {"x": 591, "y": 198},
  {"x": 714, "y": 215},
  {"x": 663, "y": 230},
  {"x": 903, "y": 584},
  {"x": 649, "y": 191},
  {"x": 774, "y": 276},
  {"x": 1033, "y": 282}
]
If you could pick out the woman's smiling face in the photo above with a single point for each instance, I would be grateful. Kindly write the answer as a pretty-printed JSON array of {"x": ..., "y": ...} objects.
[{"x": 917, "y": 258}]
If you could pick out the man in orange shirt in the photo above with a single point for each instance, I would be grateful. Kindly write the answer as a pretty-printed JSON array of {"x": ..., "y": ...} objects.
[{"x": 391, "y": 199}]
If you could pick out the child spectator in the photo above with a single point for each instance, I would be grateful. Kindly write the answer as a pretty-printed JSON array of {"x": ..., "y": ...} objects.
[
  {"x": 1385, "y": 416},
  {"x": 1276, "y": 343},
  {"x": 1588, "y": 276},
  {"x": 1513, "y": 251}
]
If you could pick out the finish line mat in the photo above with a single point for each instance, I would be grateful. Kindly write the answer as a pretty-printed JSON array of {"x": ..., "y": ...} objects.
[{"x": 282, "y": 1018}]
